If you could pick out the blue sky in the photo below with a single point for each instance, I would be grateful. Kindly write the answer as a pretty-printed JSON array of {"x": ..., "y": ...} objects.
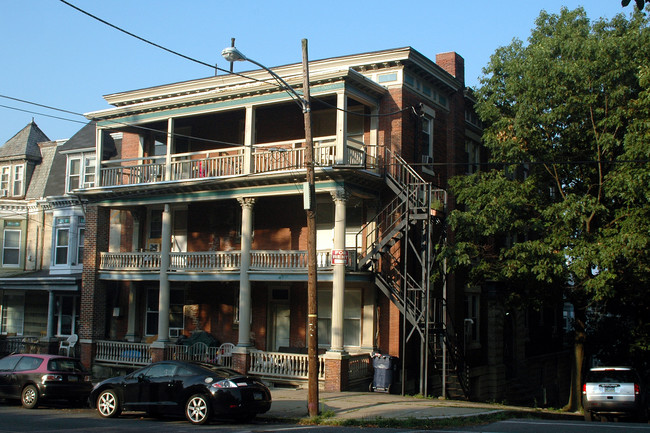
[{"x": 56, "y": 56}]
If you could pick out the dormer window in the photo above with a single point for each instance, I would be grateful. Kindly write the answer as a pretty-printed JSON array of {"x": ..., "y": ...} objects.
[
  {"x": 19, "y": 173},
  {"x": 12, "y": 180},
  {"x": 81, "y": 172}
]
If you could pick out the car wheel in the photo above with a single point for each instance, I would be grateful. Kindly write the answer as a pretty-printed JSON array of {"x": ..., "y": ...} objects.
[
  {"x": 108, "y": 404},
  {"x": 29, "y": 397},
  {"x": 197, "y": 409}
]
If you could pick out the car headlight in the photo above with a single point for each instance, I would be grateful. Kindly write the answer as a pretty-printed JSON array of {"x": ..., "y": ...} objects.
[
  {"x": 51, "y": 378},
  {"x": 226, "y": 383}
]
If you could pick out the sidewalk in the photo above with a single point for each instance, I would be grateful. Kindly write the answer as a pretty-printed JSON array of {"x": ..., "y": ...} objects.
[{"x": 292, "y": 403}]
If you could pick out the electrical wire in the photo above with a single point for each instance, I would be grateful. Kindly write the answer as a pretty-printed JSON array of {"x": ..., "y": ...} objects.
[{"x": 280, "y": 84}]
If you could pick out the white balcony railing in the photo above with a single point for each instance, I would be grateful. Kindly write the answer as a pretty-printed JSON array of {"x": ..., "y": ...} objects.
[
  {"x": 122, "y": 352},
  {"x": 269, "y": 157},
  {"x": 283, "y": 365},
  {"x": 215, "y": 261}
]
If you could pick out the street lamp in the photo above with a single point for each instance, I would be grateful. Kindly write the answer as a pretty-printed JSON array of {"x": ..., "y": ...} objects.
[{"x": 232, "y": 54}]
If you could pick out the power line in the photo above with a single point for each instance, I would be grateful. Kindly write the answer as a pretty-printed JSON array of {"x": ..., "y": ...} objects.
[
  {"x": 215, "y": 66},
  {"x": 42, "y": 114}
]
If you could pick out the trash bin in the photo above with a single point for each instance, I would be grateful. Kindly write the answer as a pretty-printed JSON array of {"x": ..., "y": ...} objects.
[{"x": 385, "y": 367}]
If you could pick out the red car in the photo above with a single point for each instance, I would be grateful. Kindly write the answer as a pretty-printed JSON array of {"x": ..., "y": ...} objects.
[{"x": 37, "y": 378}]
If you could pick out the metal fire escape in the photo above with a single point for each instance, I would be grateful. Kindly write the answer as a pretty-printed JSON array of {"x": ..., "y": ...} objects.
[{"x": 397, "y": 246}]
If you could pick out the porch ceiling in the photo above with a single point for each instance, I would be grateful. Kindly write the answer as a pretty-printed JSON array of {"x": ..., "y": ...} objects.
[{"x": 269, "y": 183}]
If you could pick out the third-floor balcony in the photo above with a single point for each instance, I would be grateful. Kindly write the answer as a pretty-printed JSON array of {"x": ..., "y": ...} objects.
[{"x": 234, "y": 161}]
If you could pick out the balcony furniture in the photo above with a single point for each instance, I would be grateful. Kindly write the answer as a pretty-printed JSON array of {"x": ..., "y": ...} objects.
[
  {"x": 224, "y": 355},
  {"x": 198, "y": 352},
  {"x": 68, "y": 345}
]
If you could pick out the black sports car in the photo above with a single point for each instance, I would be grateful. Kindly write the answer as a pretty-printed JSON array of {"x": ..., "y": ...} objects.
[
  {"x": 37, "y": 378},
  {"x": 197, "y": 390}
]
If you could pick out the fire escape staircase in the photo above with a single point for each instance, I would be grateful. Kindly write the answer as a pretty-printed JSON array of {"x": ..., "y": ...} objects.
[{"x": 397, "y": 246}]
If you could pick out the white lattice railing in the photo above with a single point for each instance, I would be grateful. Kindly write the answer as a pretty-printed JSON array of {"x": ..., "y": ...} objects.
[
  {"x": 261, "y": 260},
  {"x": 283, "y": 365},
  {"x": 268, "y": 157},
  {"x": 123, "y": 352}
]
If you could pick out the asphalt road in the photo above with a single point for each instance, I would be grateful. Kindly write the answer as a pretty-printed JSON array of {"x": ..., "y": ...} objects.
[{"x": 13, "y": 418}]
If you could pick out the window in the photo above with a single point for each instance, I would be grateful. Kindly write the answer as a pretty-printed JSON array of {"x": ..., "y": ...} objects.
[
  {"x": 13, "y": 313},
  {"x": 66, "y": 314},
  {"x": 81, "y": 172},
  {"x": 427, "y": 118},
  {"x": 68, "y": 239},
  {"x": 61, "y": 248},
  {"x": 473, "y": 156},
  {"x": 80, "y": 244},
  {"x": 19, "y": 173},
  {"x": 4, "y": 180},
  {"x": 472, "y": 306},
  {"x": 351, "y": 318},
  {"x": 176, "y": 318},
  {"x": 11, "y": 245}
]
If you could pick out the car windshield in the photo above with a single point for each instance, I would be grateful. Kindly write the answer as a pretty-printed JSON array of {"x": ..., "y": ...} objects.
[
  {"x": 611, "y": 376},
  {"x": 65, "y": 365}
]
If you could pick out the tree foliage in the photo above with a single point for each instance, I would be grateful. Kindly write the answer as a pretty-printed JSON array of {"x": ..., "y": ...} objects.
[{"x": 564, "y": 204}]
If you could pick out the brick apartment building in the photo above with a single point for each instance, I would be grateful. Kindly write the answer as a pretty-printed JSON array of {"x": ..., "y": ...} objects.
[{"x": 195, "y": 226}]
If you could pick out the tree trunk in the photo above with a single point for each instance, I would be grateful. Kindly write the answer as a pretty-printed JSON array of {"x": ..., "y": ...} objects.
[{"x": 575, "y": 391}]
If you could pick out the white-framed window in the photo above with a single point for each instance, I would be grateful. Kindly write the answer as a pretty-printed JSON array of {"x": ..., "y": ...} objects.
[
  {"x": 351, "y": 318},
  {"x": 11, "y": 243},
  {"x": 67, "y": 241},
  {"x": 81, "y": 236},
  {"x": 13, "y": 313},
  {"x": 81, "y": 171},
  {"x": 176, "y": 316},
  {"x": 426, "y": 120},
  {"x": 66, "y": 314},
  {"x": 5, "y": 180},
  {"x": 472, "y": 317},
  {"x": 19, "y": 181}
]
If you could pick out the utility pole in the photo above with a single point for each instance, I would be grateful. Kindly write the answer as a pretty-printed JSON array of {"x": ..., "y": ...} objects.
[{"x": 312, "y": 298}]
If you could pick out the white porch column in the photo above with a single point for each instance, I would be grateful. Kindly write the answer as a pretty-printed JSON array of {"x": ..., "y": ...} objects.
[
  {"x": 249, "y": 139},
  {"x": 170, "y": 142},
  {"x": 338, "y": 283},
  {"x": 131, "y": 313},
  {"x": 99, "y": 150},
  {"x": 341, "y": 128},
  {"x": 245, "y": 302},
  {"x": 51, "y": 306},
  {"x": 163, "y": 299}
]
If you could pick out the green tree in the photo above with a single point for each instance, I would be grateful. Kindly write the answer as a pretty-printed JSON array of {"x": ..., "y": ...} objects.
[{"x": 564, "y": 205}]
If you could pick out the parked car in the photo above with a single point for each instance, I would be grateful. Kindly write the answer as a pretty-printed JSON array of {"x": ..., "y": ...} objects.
[
  {"x": 614, "y": 392},
  {"x": 198, "y": 390},
  {"x": 37, "y": 378}
]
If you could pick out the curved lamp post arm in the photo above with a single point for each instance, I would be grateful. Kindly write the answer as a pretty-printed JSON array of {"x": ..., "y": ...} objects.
[{"x": 232, "y": 54}]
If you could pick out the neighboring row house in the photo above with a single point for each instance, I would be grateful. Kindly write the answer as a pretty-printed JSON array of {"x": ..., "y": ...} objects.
[
  {"x": 42, "y": 241},
  {"x": 193, "y": 231}
]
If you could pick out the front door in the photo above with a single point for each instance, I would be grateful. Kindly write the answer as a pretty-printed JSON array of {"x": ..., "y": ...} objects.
[{"x": 280, "y": 326}]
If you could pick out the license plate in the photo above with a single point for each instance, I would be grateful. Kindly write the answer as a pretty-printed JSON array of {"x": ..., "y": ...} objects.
[
  {"x": 73, "y": 379},
  {"x": 257, "y": 396}
]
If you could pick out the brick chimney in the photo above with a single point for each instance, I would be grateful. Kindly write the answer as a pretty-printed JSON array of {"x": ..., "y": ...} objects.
[{"x": 453, "y": 63}]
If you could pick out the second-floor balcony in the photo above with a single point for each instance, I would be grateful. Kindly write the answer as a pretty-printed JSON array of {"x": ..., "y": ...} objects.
[
  {"x": 235, "y": 162},
  {"x": 265, "y": 261}
]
